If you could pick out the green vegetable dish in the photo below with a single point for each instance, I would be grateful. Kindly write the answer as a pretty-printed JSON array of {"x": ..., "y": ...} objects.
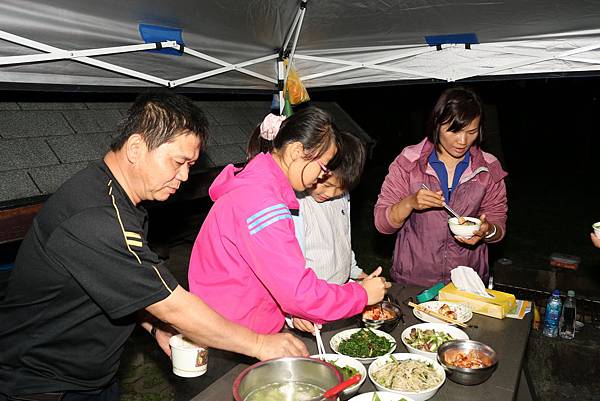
[
  {"x": 427, "y": 340},
  {"x": 346, "y": 371},
  {"x": 365, "y": 344}
]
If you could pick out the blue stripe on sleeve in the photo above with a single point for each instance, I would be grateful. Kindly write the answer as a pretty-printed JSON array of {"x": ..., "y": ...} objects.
[
  {"x": 266, "y": 210},
  {"x": 269, "y": 222},
  {"x": 267, "y": 217}
]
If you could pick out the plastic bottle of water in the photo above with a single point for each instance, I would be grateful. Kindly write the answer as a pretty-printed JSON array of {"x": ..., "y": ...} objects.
[
  {"x": 552, "y": 317},
  {"x": 567, "y": 317}
]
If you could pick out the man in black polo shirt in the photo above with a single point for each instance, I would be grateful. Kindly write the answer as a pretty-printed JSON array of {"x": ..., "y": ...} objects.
[{"x": 84, "y": 275}]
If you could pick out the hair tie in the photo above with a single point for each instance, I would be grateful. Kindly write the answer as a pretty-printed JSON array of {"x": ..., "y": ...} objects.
[{"x": 270, "y": 126}]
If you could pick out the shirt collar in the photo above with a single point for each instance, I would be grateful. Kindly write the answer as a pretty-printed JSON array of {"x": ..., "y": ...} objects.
[{"x": 440, "y": 169}]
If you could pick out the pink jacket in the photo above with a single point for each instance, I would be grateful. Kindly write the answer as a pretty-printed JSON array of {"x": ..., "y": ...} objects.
[
  {"x": 425, "y": 249},
  {"x": 246, "y": 262}
]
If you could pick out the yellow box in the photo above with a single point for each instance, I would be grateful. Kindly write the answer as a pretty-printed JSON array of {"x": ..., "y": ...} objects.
[{"x": 498, "y": 306}]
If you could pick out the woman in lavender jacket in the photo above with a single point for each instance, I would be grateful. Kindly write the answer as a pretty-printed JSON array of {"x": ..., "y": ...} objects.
[{"x": 450, "y": 163}]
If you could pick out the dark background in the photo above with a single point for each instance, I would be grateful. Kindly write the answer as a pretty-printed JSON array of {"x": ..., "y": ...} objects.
[
  {"x": 544, "y": 130},
  {"x": 546, "y": 135}
]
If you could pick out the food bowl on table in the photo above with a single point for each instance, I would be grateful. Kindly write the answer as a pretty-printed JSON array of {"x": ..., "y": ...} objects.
[
  {"x": 348, "y": 367},
  {"x": 382, "y": 395},
  {"x": 383, "y": 316},
  {"x": 408, "y": 375},
  {"x": 285, "y": 378},
  {"x": 466, "y": 229},
  {"x": 462, "y": 313},
  {"x": 467, "y": 362},
  {"x": 365, "y": 345},
  {"x": 425, "y": 338}
]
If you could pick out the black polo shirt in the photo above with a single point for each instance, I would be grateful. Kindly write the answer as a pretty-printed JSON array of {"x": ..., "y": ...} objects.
[{"x": 82, "y": 271}]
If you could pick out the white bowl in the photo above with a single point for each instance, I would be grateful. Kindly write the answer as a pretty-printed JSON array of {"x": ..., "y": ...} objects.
[
  {"x": 343, "y": 335},
  {"x": 456, "y": 333},
  {"x": 344, "y": 360},
  {"x": 383, "y": 396},
  {"x": 596, "y": 227},
  {"x": 462, "y": 230},
  {"x": 415, "y": 395},
  {"x": 464, "y": 313}
]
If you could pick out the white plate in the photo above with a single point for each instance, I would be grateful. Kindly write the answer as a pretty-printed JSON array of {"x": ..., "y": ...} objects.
[
  {"x": 343, "y": 335},
  {"x": 416, "y": 395},
  {"x": 383, "y": 396},
  {"x": 463, "y": 311},
  {"x": 342, "y": 361},
  {"x": 455, "y": 332}
]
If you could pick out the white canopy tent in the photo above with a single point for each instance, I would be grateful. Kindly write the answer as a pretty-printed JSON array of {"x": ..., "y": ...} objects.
[{"x": 236, "y": 45}]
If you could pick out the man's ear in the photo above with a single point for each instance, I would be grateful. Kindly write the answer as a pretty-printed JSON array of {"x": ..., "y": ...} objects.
[{"x": 134, "y": 147}]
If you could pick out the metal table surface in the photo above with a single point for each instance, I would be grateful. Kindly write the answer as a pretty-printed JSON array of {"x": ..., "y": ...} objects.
[{"x": 508, "y": 337}]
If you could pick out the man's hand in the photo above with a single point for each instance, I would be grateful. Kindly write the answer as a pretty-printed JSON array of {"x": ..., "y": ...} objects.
[
  {"x": 595, "y": 240},
  {"x": 163, "y": 335},
  {"x": 279, "y": 345}
]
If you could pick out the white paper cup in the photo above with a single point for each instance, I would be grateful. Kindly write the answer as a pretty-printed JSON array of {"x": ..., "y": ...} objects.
[
  {"x": 596, "y": 227},
  {"x": 189, "y": 359}
]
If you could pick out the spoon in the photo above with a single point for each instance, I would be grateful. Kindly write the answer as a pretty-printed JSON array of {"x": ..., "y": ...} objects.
[
  {"x": 448, "y": 208},
  {"x": 332, "y": 392}
]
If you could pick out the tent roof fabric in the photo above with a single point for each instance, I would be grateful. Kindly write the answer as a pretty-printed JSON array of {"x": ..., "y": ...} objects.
[
  {"x": 43, "y": 144},
  {"x": 364, "y": 41}
]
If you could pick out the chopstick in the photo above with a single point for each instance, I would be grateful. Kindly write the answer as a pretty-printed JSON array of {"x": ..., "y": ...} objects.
[
  {"x": 448, "y": 208},
  {"x": 437, "y": 315},
  {"x": 320, "y": 346}
]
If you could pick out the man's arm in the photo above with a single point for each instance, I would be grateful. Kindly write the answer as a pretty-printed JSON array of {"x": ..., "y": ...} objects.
[{"x": 190, "y": 316}]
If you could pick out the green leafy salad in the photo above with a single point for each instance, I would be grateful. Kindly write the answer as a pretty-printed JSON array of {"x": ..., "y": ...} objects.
[
  {"x": 346, "y": 371},
  {"x": 427, "y": 340},
  {"x": 365, "y": 344}
]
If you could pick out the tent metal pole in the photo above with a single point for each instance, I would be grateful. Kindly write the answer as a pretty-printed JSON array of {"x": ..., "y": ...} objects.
[
  {"x": 85, "y": 60},
  {"x": 530, "y": 62},
  {"x": 292, "y": 29},
  {"x": 354, "y": 65},
  {"x": 230, "y": 67},
  {"x": 581, "y": 60},
  {"x": 417, "y": 52},
  {"x": 508, "y": 50},
  {"x": 280, "y": 83},
  {"x": 296, "y": 36},
  {"x": 237, "y": 67},
  {"x": 123, "y": 70},
  {"x": 64, "y": 55}
]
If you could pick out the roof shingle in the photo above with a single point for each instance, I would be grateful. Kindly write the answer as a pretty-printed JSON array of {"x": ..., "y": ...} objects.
[
  {"x": 15, "y": 185},
  {"x": 16, "y": 154},
  {"x": 15, "y": 124}
]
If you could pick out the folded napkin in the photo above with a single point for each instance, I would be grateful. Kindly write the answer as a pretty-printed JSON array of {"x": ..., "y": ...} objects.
[{"x": 465, "y": 279}]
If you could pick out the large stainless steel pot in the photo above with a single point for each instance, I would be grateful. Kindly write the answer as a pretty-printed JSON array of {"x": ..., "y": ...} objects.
[{"x": 282, "y": 370}]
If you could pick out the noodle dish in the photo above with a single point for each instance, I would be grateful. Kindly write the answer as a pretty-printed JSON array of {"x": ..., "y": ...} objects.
[{"x": 411, "y": 375}]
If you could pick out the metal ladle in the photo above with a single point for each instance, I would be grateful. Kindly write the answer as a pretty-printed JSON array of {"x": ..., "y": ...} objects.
[{"x": 334, "y": 391}]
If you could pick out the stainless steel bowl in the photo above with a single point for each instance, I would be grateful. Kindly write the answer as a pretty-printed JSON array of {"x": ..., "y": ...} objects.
[
  {"x": 386, "y": 325},
  {"x": 283, "y": 370},
  {"x": 466, "y": 376}
]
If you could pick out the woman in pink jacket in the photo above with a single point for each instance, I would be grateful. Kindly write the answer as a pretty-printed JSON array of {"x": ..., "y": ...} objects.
[
  {"x": 451, "y": 164},
  {"x": 246, "y": 262}
]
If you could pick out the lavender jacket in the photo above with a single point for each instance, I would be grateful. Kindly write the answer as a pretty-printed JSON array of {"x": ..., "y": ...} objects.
[{"x": 425, "y": 249}]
